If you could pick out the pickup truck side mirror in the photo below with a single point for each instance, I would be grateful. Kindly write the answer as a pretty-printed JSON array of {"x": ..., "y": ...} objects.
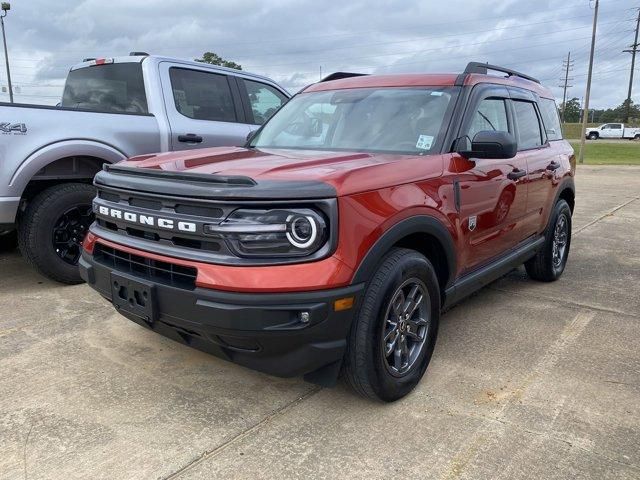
[{"x": 489, "y": 144}]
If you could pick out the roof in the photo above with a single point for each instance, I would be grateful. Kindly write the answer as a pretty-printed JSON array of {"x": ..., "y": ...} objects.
[
  {"x": 182, "y": 61},
  {"x": 426, "y": 80}
]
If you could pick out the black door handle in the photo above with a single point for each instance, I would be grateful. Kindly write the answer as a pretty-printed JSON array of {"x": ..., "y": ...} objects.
[
  {"x": 553, "y": 166},
  {"x": 516, "y": 174},
  {"x": 190, "y": 138}
]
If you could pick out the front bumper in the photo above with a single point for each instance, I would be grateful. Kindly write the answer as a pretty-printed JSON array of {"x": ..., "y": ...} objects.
[{"x": 262, "y": 331}]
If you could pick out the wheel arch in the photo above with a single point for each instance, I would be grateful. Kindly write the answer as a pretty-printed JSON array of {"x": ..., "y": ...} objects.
[
  {"x": 567, "y": 191},
  {"x": 60, "y": 162},
  {"x": 63, "y": 160},
  {"x": 422, "y": 233}
]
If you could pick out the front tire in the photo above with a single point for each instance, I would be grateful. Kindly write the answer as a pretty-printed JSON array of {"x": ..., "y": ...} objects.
[
  {"x": 395, "y": 330},
  {"x": 551, "y": 259},
  {"x": 51, "y": 231},
  {"x": 593, "y": 136}
]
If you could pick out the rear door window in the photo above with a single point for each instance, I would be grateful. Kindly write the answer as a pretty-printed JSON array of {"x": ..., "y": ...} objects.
[
  {"x": 529, "y": 133},
  {"x": 202, "y": 95},
  {"x": 551, "y": 119},
  {"x": 264, "y": 99},
  {"x": 109, "y": 88}
]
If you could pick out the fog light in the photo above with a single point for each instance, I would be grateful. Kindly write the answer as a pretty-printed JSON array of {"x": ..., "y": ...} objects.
[{"x": 305, "y": 317}]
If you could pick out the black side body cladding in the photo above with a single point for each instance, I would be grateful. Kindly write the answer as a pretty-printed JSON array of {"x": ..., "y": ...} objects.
[{"x": 477, "y": 279}]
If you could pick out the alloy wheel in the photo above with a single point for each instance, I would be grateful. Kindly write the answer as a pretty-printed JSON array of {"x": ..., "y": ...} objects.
[
  {"x": 406, "y": 324},
  {"x": 560, "y": 237},
  {"x": 69, "y": 232}
]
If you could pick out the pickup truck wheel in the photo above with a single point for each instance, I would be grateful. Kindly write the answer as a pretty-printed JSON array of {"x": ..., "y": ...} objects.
[
  {"x": 593, "y": 136},
  {"x": 8, "y": 241},
  {"x": 51, "y": 231},
  {"x": 394, "y": 332},
  {"x": 551, "y": 259}
]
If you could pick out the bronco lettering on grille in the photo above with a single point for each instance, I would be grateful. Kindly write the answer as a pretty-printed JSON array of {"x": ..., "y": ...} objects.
[{"x": 165, "y": 223}]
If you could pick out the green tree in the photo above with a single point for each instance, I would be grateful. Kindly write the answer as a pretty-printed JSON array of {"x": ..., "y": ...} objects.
[
  {"x": 571, "y": 111},
  {"x": 619, "y": 113},
  {"x": 215, "y": 59}
]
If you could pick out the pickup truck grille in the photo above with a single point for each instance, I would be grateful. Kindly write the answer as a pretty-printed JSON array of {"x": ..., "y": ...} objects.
[{"x": 142, "y": 267}]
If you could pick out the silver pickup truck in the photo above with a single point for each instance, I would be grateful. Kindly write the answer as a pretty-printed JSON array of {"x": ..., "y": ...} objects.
[{"x": 111, "y": 109}]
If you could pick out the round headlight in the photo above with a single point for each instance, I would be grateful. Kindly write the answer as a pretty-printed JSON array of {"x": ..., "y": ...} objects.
[{"x": 302, "y": 231}]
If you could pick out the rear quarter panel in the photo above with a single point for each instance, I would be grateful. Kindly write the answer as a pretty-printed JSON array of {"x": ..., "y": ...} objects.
[{"x": 53, "y": 133}]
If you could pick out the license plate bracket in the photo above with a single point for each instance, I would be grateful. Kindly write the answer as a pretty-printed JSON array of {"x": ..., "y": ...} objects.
[{"x": 133, "y": 296}]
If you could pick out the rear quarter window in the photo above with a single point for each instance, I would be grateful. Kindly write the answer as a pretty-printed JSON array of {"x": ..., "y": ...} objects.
[
  {"x": 551, "y": 119},
  {"x": 110, "y": 88}
]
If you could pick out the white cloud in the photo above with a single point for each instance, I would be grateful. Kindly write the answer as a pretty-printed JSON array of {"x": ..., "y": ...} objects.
[{"x": 291, "y": 40}]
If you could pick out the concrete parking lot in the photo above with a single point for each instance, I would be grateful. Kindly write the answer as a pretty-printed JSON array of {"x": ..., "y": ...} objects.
[{"x": 528, "y": 380}]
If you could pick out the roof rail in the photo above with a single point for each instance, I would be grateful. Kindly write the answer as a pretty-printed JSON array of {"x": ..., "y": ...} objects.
[
  {"x": 138, "y": 54},
  {"x": 482, "y": 68},
  {"x": 341, "y": 75}
]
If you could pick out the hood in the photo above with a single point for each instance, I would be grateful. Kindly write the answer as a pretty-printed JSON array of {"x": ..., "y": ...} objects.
[{"x": 347, "y": 172}]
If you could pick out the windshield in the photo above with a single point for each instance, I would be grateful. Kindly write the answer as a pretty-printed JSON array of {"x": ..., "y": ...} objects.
[
  {"x": 111, "y": 88},
  {"x": 402, "y": 120}
]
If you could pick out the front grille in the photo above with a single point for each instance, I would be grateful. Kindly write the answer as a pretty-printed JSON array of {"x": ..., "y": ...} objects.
[{"x": 154, "y": 270}]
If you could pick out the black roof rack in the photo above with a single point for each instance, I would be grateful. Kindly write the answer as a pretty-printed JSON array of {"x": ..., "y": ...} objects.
[
  {"x": 341, "y": 75},
  {"x": 482, "y": 68}
]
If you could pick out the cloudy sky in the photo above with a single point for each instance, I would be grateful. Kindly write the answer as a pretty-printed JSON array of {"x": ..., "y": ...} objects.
[{"x": 293, "y": 40}]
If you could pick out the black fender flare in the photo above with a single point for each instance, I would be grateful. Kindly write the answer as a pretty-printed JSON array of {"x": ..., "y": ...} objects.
[
  {"x": 417, "y": 224},
  {"x": 566, "y": 183}
]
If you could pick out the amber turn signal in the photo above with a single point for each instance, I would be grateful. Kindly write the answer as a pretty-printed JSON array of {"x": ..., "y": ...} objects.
[{"x": 343, "y": 304}]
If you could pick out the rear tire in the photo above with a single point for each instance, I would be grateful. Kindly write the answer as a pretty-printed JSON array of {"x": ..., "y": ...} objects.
[
  {"x": 551, "y": 259},
  {"x": 394, "y": 333},
  {"x": 51, "y": 231}
]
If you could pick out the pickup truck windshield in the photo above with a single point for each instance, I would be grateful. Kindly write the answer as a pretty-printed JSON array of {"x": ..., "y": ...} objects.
[
  {"x": 401, "y": 120},
  {"x": 110, "y": 88}
]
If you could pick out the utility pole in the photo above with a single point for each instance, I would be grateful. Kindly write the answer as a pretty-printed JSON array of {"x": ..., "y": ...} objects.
[
  {"x": 568, "y": 65},
  {"x": 5, "y": 8},
  {"x": 585, "y": 115},
  {"x": 632, "y": 51}
]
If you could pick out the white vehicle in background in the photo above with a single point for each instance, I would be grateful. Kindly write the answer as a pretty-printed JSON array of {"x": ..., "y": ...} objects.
[{"x": 613, "y": 130}]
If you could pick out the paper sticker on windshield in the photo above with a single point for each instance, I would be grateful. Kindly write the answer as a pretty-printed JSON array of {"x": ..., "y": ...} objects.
[
  {"x": 424, "y": 142},
  {"x": 436, "y": 94}
]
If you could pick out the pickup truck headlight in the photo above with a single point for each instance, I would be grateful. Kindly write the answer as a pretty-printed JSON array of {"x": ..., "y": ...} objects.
[{"x": 272, "y": 233}]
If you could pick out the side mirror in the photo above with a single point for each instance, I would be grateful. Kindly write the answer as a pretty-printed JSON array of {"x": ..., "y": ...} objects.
[{"x": 490, "y": 144}]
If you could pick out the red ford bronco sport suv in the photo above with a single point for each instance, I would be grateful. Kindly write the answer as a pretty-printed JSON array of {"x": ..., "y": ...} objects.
[{"x": 334, "y": 239}]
